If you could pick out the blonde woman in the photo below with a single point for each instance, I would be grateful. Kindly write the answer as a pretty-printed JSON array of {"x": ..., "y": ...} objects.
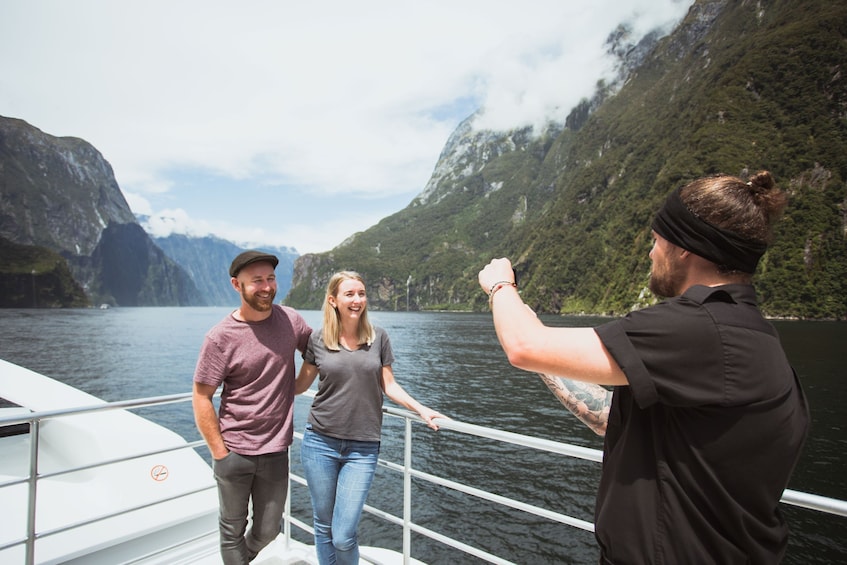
[{"x": 342, "y": 437}]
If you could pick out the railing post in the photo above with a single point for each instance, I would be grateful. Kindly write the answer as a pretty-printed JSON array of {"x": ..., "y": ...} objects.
[
  {"x": 407, "y": 493},
  {"x": 34, "y": 431}
]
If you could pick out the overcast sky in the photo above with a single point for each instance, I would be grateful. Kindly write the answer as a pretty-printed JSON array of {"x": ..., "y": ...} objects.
[{"x": 294, "y": 123}]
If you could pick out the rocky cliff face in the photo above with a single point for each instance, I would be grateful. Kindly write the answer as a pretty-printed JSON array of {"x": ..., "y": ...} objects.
[{"x": 60, "y": 194}]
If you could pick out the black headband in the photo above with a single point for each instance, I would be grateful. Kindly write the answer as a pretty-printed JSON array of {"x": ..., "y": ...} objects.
[{"x": 676, "y": 223}]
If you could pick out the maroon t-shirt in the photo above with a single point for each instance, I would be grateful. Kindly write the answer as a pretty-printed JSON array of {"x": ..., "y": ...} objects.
[{"x": 254, "y": 362}]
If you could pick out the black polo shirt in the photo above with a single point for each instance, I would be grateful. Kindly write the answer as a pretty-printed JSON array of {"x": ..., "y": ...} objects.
[{"x": 702, "y": 442}]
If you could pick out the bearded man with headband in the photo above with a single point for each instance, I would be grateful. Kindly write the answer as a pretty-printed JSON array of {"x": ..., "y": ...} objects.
[{"x": 706, "y": 418}]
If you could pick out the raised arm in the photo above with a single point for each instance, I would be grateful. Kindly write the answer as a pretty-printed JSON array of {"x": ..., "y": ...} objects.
[
  {"x": 534, "y": 347},
  {"x": 590, "y": 403}
]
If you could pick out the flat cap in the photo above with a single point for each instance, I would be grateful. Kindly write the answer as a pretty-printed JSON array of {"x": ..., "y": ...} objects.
[{"x": 249, "y": 257}]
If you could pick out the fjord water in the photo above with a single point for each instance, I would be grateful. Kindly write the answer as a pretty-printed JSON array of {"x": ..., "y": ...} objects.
[{"x": 451, "y": 362}]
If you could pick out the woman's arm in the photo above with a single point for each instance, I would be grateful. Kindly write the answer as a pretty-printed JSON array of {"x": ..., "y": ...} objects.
[
  {"x": 590, "y": 403},
  {"x": 305, "y": 378},
  {"x": 395, "y": 392}
]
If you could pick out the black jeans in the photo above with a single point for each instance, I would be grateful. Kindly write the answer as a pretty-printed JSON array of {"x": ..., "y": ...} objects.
[{"x": 264, "y": 478}]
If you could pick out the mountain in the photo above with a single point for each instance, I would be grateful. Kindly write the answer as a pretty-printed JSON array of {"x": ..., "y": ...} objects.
[
  {"x": 36, "y": 277},
  {"x": 207, "y": 260},
  {"x": 59, "y": 199},
  {"x": 736, "y": 87}
]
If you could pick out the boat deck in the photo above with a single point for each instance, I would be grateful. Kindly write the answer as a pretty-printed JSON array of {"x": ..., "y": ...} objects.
[{"x": 62, "y": 468}]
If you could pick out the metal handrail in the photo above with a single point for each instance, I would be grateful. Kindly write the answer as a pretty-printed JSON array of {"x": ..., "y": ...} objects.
[
  {"x": 34, "y": 420},
  {"x": 792, "y": 497}
]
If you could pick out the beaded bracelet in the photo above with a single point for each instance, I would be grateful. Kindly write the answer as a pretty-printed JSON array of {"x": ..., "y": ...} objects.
[{"x": 497, "y": 286}]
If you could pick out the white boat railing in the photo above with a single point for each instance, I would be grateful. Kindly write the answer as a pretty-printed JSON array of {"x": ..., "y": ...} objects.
[{"x": 35, "y": 419}]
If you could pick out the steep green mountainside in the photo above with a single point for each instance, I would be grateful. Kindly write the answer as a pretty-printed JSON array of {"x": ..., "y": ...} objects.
[
  {"x": 36, "y": 277},
  {"x": 433, "y": 247},
  {"x": 764, "y": 89},
  {"x": 737, "y": 87}
]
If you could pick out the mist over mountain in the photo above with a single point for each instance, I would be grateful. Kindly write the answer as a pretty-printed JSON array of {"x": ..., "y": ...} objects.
[{"x": 737, "y": 87}]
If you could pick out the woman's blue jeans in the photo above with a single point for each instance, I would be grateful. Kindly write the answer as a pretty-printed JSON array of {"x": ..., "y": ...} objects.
[{"x": 339, "y": 473}]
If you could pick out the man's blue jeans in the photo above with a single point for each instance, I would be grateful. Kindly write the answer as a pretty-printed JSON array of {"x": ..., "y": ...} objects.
[
  {"x": 339, "y": 473},
  {"x": 240, "y": 477}
]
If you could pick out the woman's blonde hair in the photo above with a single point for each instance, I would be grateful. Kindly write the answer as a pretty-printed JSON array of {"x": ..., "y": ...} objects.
[{"x": 332, "y": 320}]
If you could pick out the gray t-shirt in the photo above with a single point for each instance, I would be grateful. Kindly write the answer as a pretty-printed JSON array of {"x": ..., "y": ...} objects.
[{"x": 348, "y": 404}]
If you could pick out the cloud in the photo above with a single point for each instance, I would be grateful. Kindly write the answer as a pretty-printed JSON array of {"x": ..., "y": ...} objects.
[
  {"x": 540, "y": 77},
  {"x": 324, "y": 235},
  {"x": 167, "y": 222},
  {"x": 344, "y": 104},
  {"x": 138, "y": 204}
]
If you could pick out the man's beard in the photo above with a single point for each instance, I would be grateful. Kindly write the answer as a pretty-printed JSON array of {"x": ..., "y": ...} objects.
[
  {"x": 667, "y": 284},
  {"x": 259, "y": 304}
]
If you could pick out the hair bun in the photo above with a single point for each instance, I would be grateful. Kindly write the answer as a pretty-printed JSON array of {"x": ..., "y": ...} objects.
[
  {"x": 770, "y": 199},
  {"x": 761, "y": 182}
]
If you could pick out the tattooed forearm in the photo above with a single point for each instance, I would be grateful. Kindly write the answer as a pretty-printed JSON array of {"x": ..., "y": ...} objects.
[{"x": 588, "y": 402}]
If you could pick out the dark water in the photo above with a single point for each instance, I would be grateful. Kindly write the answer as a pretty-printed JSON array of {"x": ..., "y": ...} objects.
[{"x": 451, "y": 362}]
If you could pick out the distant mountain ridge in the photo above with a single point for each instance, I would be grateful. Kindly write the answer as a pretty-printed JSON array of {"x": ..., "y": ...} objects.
[
  {"x": 59, "y": 195},
  {"x": 69, "y": 239},
  {"x": 207, "y": 260},
  {"x": 735, "y": 88}
]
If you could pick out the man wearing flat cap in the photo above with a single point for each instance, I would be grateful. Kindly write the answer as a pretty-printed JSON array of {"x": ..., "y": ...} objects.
[
  {"x": 706, "y": 418},
  {"x": 251, "y": 354}
]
